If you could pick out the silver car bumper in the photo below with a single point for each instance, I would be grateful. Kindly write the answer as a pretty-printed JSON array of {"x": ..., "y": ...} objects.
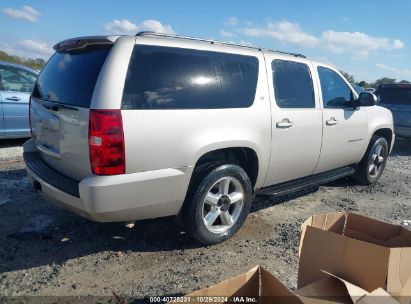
[{"x": 115, "y": 198}]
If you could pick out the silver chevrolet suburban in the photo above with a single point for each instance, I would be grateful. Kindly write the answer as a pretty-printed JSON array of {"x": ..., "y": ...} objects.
[{"x": 152, "y": 125}]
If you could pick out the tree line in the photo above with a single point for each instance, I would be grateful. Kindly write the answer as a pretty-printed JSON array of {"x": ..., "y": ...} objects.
[
  {"x": 34, "y": 63},
  {"x": 375, "y": 84}
]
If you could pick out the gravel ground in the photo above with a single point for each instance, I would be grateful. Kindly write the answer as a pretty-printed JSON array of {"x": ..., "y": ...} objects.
[
  {"x": 11, "y": 150},
  {"x": 47, "y": 251}
]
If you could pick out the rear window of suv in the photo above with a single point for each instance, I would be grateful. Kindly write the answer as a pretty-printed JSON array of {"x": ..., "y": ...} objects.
[
  {"x": 394, "y": 95},
  {"x": 70, "y": 76},
  {"x": 177, "y": 78}
]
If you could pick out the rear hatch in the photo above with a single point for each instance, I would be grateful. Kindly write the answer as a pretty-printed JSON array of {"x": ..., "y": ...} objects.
[
  {"x": 60, "y": 105},
  {"x": 397, "y": 98}
]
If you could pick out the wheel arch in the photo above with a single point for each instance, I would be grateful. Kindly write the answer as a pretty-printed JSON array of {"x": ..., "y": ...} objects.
[
  {"x": 380, "y": 123},
  {"x": 387, "y": 133},
  {"x": 242, "y": 155}
]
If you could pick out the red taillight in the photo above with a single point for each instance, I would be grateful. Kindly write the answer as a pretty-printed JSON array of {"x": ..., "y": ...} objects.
[
  {"x": 31, "y": 130},
  {"x": 106, "y": 142}
]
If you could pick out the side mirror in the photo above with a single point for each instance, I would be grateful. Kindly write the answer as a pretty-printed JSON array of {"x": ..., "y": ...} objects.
[{"x": 367, "y": 99}]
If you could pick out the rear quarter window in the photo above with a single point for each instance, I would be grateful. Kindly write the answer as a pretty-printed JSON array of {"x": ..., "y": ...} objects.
[
  {"x": 177, "y": 78},
  {"x": 70, "y": 76}
]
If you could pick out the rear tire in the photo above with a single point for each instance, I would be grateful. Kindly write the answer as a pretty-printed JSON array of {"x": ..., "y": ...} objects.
[
  {"x": 217, "y": 203},
  {"x": 373, "y": 163}
]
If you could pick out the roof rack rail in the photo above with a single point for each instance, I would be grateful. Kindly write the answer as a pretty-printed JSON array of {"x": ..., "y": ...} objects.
[{"x": 150, "y": 33}]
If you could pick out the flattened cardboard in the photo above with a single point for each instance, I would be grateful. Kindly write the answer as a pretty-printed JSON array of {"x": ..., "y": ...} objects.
[{"x": 373, "y": 245}]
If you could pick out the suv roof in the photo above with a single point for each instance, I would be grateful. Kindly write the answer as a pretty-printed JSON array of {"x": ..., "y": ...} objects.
[
  {"x": 210, "y": 41},
  {"x": 395, "y": 85},
  {"x": 75, "y": 42}
]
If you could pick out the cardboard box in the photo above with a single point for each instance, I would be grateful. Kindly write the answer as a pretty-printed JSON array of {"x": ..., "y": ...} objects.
[
  {"x": 365, "y": 252},
  {"x": 257, "y": 285},
  {"x": 260, "y": 286},
  {"x": 344, "y": 258}
]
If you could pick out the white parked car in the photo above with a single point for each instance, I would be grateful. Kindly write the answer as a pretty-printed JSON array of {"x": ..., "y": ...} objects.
[{"x": 135, "y": 127}]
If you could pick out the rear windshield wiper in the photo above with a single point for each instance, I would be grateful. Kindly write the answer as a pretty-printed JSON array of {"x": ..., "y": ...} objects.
[{"x": 58, "y": 107}]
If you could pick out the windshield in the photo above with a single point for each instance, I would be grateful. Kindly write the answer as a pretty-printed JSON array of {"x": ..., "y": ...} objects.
[
  {"x": 398, "y": 95},
  {"x": 70, "y": 76}
]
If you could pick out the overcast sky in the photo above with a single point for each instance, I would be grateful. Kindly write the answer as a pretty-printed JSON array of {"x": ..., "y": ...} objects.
[{"x": 368, "y": 39}]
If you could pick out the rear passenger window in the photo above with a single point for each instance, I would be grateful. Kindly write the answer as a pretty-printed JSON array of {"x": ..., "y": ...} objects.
[
  {"x": 293, "y": 86},
  {"x": 177, "y": 78}
]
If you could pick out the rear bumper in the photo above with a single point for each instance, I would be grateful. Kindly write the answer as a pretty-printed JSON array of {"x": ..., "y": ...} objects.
[
  {"x": 403, "y": 131},
  {"x": 115, "y": 198}
]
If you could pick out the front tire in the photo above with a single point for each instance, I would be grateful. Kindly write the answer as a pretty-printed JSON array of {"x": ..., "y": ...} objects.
[
  {"x": 217, "y": 204},
  {"x": 373, "y": 163}
]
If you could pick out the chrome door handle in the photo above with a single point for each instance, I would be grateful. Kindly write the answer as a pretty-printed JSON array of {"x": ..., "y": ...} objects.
[
  {"x": 285, "y": 123},
  {"x": 331, "y": 122},
  {"x": 14, "y": 98}
]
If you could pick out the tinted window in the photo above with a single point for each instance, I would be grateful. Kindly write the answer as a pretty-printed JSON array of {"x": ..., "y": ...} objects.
[
  {"x": 336, "y": 93},
  {"x": 293, "y": 86},
  {"x": 175, "y": 78},
  {"x": 70, "y": 76},
  {"x": 395, "y": 95},
  {"x": 16, "y": 80}
]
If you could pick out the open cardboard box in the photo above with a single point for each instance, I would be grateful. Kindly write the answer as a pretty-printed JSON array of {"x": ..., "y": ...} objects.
[
  {"x": 256, "y": 284},
  {"x": 259, "y": 285},
  {"x": 344, "y": 258},
  {"x": 368, "y": 253}
]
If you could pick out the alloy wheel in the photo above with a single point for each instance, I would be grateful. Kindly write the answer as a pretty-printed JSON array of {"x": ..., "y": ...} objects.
[
  {"x": 376, "y": 161},
  {"x": 223, "y": 204}
]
